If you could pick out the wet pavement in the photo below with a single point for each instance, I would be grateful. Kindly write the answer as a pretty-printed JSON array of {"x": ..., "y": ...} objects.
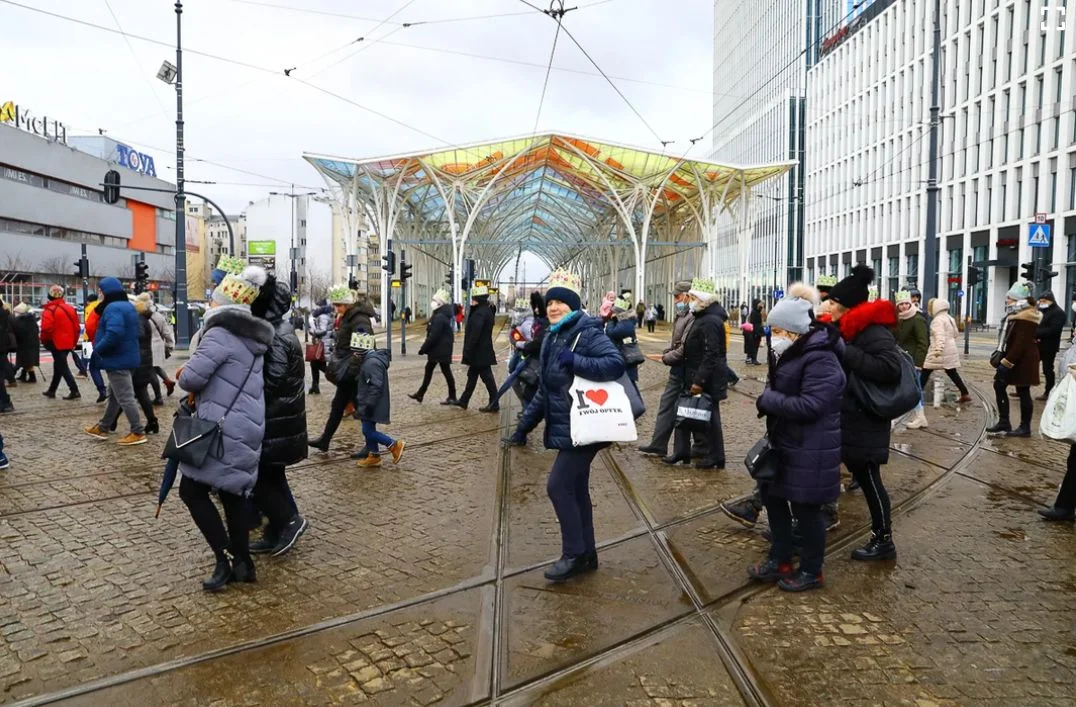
[{"x": 422, "y": 583}]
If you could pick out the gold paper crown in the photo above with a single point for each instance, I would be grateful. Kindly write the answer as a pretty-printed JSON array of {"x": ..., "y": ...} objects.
[
  {"x": 704, "y": 285},
  {"x": 826, "y": 281},
  {"x": 363, "y": 342},
  {"x": 622, "y": 304},
  {"x": 231, "y": 264},
  {"x": 902, "y": 296},
  {"x": 238, "y": 290},
  {"x": 567, "y": 280}
]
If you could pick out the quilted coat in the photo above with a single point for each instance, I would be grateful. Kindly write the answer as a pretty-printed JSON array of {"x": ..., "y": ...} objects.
[
  {"x": 942, "y": 354},
  {"x": 870, "y": 352},
  {"x": 60, "y": 327},
  {"x": 705, "y": 355},
  {"x": 440, "y": 337},
  {"x": 285, "y": 375},
  {"x": 912, "y": 336},
  {"x": 372, "y": 399},
  {"x": 802, "y": 404},
  {"x": 478, "y": 337},
  {"x": 232, "y": 343},
  {"x": 115, "y": 342},
  {"x": 164, "y": 340},
  {"x": 596, "y": 359}
]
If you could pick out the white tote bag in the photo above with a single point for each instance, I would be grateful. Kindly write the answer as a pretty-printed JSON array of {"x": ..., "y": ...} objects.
[
  {"x": 600, "y": 412},
  {"x": 1059, "y": 416}
]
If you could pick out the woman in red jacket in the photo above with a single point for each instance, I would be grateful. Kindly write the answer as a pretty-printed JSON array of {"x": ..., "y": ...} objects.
[{"x": 60, "y": 329}]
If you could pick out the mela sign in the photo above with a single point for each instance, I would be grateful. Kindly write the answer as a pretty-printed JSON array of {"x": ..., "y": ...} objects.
[{"x": 42, "y": 126}]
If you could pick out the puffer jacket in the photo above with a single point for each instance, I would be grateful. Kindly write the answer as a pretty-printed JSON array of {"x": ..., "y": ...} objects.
[
  {"x": 943, "y": 354},
  {"x": 372, "y": 399},
  {"x": 621, "y": 330},
  {"x": 60, "y": 327},
  {"x": 321, "y": 327},
  {"x": 285, "y": 376},
  {"x": 1050, "y": 329},
  {"x": 596, "y": 359},
  {"x": 705, "y": 355},
  {"x": 440, "y": 338},
  {"x": 115, "y": 343},
  {"x": 355, "y": 319},
  {"x": 232, "y": 343},
  {"x": 912, "y": 336},
  {"x": 802, "y": 404},
  {"x": 478, "y": 337},
  {"x": 871, "y": 353},
  {"x": 1021, "y": 347}
]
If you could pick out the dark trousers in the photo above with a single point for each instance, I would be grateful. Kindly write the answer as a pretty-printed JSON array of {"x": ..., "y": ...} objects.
[
  {"x": 1048, "y": 356},
  {"x": 569, "y": 490},
  {"x": 473, "y": 374},
  {"x": 1066, "y": 497},
  {"x": 650, "y": 326},
  {"x": 714, "y": 438},
  {"x": 5, "y": 399},
  {"x": 273, "y": 497},
  {"x": 446, "y": 371},
  {"x": 345, "y": 393},
  {"x": 1027, "y": 407},
  {"x": 954, "y": 375},
  {"x": 80, "y": 365},
  {"x": 812, "y": 530},
  {"x": 7, "y": 371},
  {"x": 60, "y": 369},
  {"x": 236, "y": 538},
  {"x": 751, "y": 343},
  {"x": 316, "y": 369},
  {"x": 869, "y": 476}
]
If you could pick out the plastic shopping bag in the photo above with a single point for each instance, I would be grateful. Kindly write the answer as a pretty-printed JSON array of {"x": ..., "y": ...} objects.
[
  {"x": 1059, "y": 416},
  {"x": 601, "y": 412}
]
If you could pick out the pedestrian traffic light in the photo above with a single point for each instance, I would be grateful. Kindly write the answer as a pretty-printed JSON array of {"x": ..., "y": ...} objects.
[
  {"x": 469, "y": 276},
  {"x": 974, "y": 275},
  {"x": 389, "y": 262},
  {"x": 1028, "y": 272},
  {"x": 141, "y": 276},
  {"x": 405, "y": 270},
  {"x": 112, "y": 186},
  {"x": 451, "y": 277},
  {"x": 82, "y": 268}
]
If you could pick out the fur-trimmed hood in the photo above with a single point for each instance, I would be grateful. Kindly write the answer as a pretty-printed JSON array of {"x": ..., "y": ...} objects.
[
  {"x": 1028, "y": 314},
  {"x": 236, "y": 318},
  {"x": 858, "y": 318}
]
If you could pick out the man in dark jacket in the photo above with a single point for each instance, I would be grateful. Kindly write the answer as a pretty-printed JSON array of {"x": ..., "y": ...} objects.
[
  {"x": 285, "y": 440},
  {"x": 705, "y": 371},
  {"x": 478, "y": 353},
  {"x": 7, "y": 344},
  {"x": 1049, "y": 336},
  {"x": 115, "y": 347},
  {"x": 437, "y": 347}
]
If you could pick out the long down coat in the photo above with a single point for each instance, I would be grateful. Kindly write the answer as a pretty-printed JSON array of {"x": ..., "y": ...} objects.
[
  {"x": 440, "y": 337},
  {"x": 943, "y": 354},
  {"x": 372, "y": 397},
  {"x": 1021, "y": 346},
  {"x": 802, "y": 404},
  {"x": 232, "y": 343},
  {"x": 478, "y": 337},
  {"x": 285, "y": 376},
  {"x": 27, "y": 341},
  {"x": 705, "y": 353},
  {"x": 596, "y": 359}
]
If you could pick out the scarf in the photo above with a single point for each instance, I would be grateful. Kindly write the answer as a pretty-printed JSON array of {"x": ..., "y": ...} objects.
[
  {"x": 907, "y": 314},
  {"x": 570, "y": 317}
]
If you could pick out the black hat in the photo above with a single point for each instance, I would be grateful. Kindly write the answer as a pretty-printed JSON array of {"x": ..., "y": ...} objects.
[
  {"x": 853, "y": 289},
  {"x": 1048, "y": 295}
]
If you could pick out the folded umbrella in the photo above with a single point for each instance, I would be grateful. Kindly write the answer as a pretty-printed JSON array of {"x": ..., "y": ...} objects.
[
  {"x": 167, "y": 481},
  {"x": 510, "y": 379}
]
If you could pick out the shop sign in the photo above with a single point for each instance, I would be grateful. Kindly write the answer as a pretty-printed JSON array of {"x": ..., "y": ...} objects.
[
  {"x": 135, "y": 160},
  {"x": 42, "y": 126}
]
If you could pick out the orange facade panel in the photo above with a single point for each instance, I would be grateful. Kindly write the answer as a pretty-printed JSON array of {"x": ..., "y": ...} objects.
[{"x": 143, "y": 227}]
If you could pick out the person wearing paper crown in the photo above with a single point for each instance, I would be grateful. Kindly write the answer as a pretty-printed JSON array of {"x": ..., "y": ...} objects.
[
  {"x": 352, "y": 317},
  {"x": 914, "y": 338},
  {"x": 574, "y": 345},
  {"x": 226, "y": 377},
  {"x": 478, "y": 353},
  {"x": 705, "y": 371},
  {"x": 372, "y": 401},
  {"x": 437, "y": 348},
  {"x": 1019, "y": 367},
  {"x": 620, "y": 327}
]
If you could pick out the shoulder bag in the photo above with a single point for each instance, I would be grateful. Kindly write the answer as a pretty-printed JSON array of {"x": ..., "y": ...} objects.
[
  {"x": 193, "y": 438},
  {"x": 315, "y": 351},
  {"x": 633, "y": 355},
  {"x": 888, "y": 401},
  {"x": 762, "y": 461}
]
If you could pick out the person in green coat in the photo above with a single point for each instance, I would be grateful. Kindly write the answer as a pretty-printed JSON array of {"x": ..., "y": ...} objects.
[{"x": 914, "y": 337}]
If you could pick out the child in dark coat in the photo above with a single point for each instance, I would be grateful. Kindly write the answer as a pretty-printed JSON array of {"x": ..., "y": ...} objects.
[{"x": 372, "y": 400}]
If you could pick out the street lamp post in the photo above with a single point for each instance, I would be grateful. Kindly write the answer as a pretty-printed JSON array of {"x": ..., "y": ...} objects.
[
  {"x": 169, "y": 74},
  {"x": 294, "y": 280}
]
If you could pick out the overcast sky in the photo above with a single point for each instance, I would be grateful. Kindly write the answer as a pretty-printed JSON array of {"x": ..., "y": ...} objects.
[{"x": 658, "y": 53}]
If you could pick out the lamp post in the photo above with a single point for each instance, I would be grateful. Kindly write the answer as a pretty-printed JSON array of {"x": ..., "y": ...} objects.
[{"x": 294, "y": 279}]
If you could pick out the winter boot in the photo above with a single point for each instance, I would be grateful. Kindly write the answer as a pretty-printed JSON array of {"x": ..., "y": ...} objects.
[
  {"x": 800, "y": 582},
  {"x": 745, "y": 512},
  {"x": 919, "y": 420},
  {"x": 1058, "y": 514},
  {"x": 320, "y": 444},
  {"x": 397, "y": 449},
  {"x": 770, "y": 571},
  {"x": 566, "y": 568},
  {"x": 153, "y": 427},
  {"x": 372, "y": 461},
  {"x": 22, "y": 376},
  {"x": 222, "y": 574},
  {"x": 1001, "y": 427},
  {"x": 1021, "y": 431},
  {"x": 417, "y": 397},
  {"x": 267, "y": 543},
  {"x": 879, "y": 547},
  {"x": 32, "y": 377},
  {"x": 243, "y": 570},
  {"x": 314, "y": 390}
]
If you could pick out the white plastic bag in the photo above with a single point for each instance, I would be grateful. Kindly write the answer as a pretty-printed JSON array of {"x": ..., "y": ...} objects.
[
  {"x": 601, "y": 412},
  {"x": 1059, "y": 416}
]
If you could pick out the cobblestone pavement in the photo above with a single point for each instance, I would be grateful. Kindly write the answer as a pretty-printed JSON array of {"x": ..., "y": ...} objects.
[{"x": 421, "y": 584}]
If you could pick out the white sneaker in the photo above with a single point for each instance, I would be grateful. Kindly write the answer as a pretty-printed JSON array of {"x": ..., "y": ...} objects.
[{"x": 920, "y": 420}]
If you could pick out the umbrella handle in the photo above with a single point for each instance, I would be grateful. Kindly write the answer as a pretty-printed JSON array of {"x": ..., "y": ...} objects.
[{"x": 158, "y": 513}]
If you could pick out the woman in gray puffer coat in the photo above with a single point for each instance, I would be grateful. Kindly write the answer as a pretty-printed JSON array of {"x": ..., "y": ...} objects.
[{"x": 225, "y": 377}]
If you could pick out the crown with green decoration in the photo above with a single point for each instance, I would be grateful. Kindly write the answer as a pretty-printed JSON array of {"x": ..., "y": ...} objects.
[
  {"x": 231, "y": 264},
  {"x": 826, "y": 281},
  {"x": 480, "y": 291},
  {"x": 872, "y": 293},
  {"x": 902, "y": 296},
  {"x": 442, "y": 296},
  {"x": 340, "y": 294},
  {"x": 523, "y": 304},
  {"x": 622, "y": 304},
  {"x": 361, "y": 341},
  {"x": 703, "y": 285},
  {"x": 566, "y": 279}
]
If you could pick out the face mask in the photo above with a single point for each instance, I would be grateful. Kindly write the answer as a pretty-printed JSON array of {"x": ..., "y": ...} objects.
[
  {"x": 779, "y": 345},
  {"x": 434, "y": 304},
  {"x": 697, "y": 306},
  {"x": 1044, "y": 305},
  {"x": 681, "y": 307},
  {"x": 1017, "y": 306}
]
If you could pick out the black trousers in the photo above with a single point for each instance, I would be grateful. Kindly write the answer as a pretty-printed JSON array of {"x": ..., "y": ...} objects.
[
  {"x": 812, "y": 528},
  {"x": 272, "y": 496},
  {"x": 1049, "y": 357},
  {"x": 446, "y": 371},
  {"x": 473, "y": 374},
  {"x": 1066, "y": 497},
  {"x": 650, "y": 326},
  {"x": 204, "y": 512},
  {"x": 1001, "y": 397},
  {"x": 954, "y": 375},
  {"x": 60, "y": 369},
  {"x": 316, "y": 369},
  {"x": 869, "y": 476},
  {"x": 715, "y": 436},
  {"x": 751, "y": 343},
  {"x": 568, "y": 487},
  {"x": 345, "y": 393}
]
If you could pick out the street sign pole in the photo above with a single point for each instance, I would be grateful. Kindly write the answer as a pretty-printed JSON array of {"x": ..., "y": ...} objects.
[
  {"x": 387, "y": 311},
  {"x": 967, "y": 313},
  {"x": 403, "y": 303}
]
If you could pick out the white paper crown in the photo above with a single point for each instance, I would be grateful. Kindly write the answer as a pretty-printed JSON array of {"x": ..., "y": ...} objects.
[
  {"x": 363, "y": 341},
  {"x": 567, "y": 280}
]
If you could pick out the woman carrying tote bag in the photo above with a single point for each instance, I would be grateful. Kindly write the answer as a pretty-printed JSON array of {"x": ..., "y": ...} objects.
[{"x": 574, "y": 345}]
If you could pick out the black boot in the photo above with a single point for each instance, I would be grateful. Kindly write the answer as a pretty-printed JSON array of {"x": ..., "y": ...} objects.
[
  {"x": 1000, "y": 427},
  {"x": 362, "y": 453},
  {"x": 32, "y": 377},
  {"x": 153, "y": 427},
  {"x": 314, "y": 390},
  {"x": 321, "y": 444},
  {"x": 267, "y": 543},
  {"x": 492, "y": 407},
  {"x": 73, "y": 395},
  {"x": 591, "y": 560},
  {"x": 674, "y": 459},
  {"x": 22, "y": 376},
  {"x": 417, "y": 397},
  {"x": 879, "y": 547},
  {"x": 222, "y": 574},
  {"x": 1021, "y": 431},
  {"x": 243, "y": 570},
  {"x": 566, "y": 568},
  {"x": 449, "y": 401}
]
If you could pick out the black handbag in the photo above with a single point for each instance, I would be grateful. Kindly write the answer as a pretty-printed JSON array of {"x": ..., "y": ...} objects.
[
  {"x": 888, "y": 401},
  {"x": 633, "y": 355},
  {"x": 344, "y": 369},
  {"x": 193, "y": 438},
  {"x": 528, "y": 375},
  {"x": 762, "y": 461},
  {"x": 996, "y": 357},
  {"x": 694, "y": 412}
]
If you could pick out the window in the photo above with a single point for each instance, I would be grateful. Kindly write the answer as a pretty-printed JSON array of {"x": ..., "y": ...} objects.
[
  {"x": 17, "y": 175},
  {"x": 1053, "y": 187},
  {"x": 894, "y": 274}
]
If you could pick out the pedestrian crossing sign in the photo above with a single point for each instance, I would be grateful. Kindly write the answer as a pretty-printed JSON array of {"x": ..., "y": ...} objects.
[{"x": 1038, "y": 235}]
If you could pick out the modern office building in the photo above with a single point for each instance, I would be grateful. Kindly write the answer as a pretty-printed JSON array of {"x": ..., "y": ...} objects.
[
  {"x": 1007, "y": 149},
  {"x": 51, "y": 205}
]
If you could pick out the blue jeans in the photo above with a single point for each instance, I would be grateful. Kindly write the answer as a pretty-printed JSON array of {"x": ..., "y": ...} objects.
[
  {"x": 375, "y": 438},
  {"x": 95, "y": 375}
]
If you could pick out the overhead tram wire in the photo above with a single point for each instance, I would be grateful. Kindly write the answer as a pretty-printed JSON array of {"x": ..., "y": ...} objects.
[
  {"x": 379, "y": 25},
  {"x": 130, "y": 47},
  {"x": 361, "y": 18},
  {"x": 549, "y": 67}
]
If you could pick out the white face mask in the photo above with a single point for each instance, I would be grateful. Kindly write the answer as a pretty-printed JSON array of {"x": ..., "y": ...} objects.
[
  {"x": 1044, "y": 305},
  {"x": 779, "y": 345},
  {"x": 697, "y": 305}
]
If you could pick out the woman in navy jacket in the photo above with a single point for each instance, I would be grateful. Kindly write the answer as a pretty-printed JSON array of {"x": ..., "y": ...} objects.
[
  {"x": 575, "y": 344},
  {"x": 802, "y": 405}
]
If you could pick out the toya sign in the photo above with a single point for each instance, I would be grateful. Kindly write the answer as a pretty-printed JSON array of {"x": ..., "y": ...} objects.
[
  {"x": 133, "y": 159},
  {"x": 43, "y": 126}
]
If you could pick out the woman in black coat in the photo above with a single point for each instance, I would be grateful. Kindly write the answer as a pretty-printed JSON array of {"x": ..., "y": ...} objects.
[
  {"x": 285, "y": 440},
  {"x": 478, "y": 353},
  {"x": 437, "y": 348},
  {"x": 144, "y": 375},
  {"x": 27, "y": 343},
  {"x": 753, "y": 338},
  {"x": 871, "y": 353}
]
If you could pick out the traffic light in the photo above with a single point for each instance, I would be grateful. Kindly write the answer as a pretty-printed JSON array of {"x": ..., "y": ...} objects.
[
  {"x": 470, "y": 270},
  {"x": 1028, "y": 272},
  {"x": 82, "y": 268},
  {"x": 389, "y": 262},
  {"x": 405, "y": 270},
  {"x": 112, "y": 186},
  {"x": 141, "y": 276},
  {"x": 974, "y": 275},
  {"x": 451, "y": 277}
]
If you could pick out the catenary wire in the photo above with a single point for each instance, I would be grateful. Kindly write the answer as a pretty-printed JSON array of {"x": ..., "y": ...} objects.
[
  {"x": 138, "y": 63},
  {"x": 548, "y": 70}
]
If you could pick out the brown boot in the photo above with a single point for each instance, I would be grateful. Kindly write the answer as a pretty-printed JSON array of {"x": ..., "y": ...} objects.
[
  {"x": 397, "y": 451},
  {"x": 371, "y": 461}
]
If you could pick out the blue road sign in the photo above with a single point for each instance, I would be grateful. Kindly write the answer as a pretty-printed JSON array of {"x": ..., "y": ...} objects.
[
  {"x": 778, "y": 294},
  {"x": 1038, "y": 235},
  {"x": 960, "y": 293}
]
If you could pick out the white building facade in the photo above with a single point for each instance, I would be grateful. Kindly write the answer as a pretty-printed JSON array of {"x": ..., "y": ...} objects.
[{"x": 1007, "y": 148}]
